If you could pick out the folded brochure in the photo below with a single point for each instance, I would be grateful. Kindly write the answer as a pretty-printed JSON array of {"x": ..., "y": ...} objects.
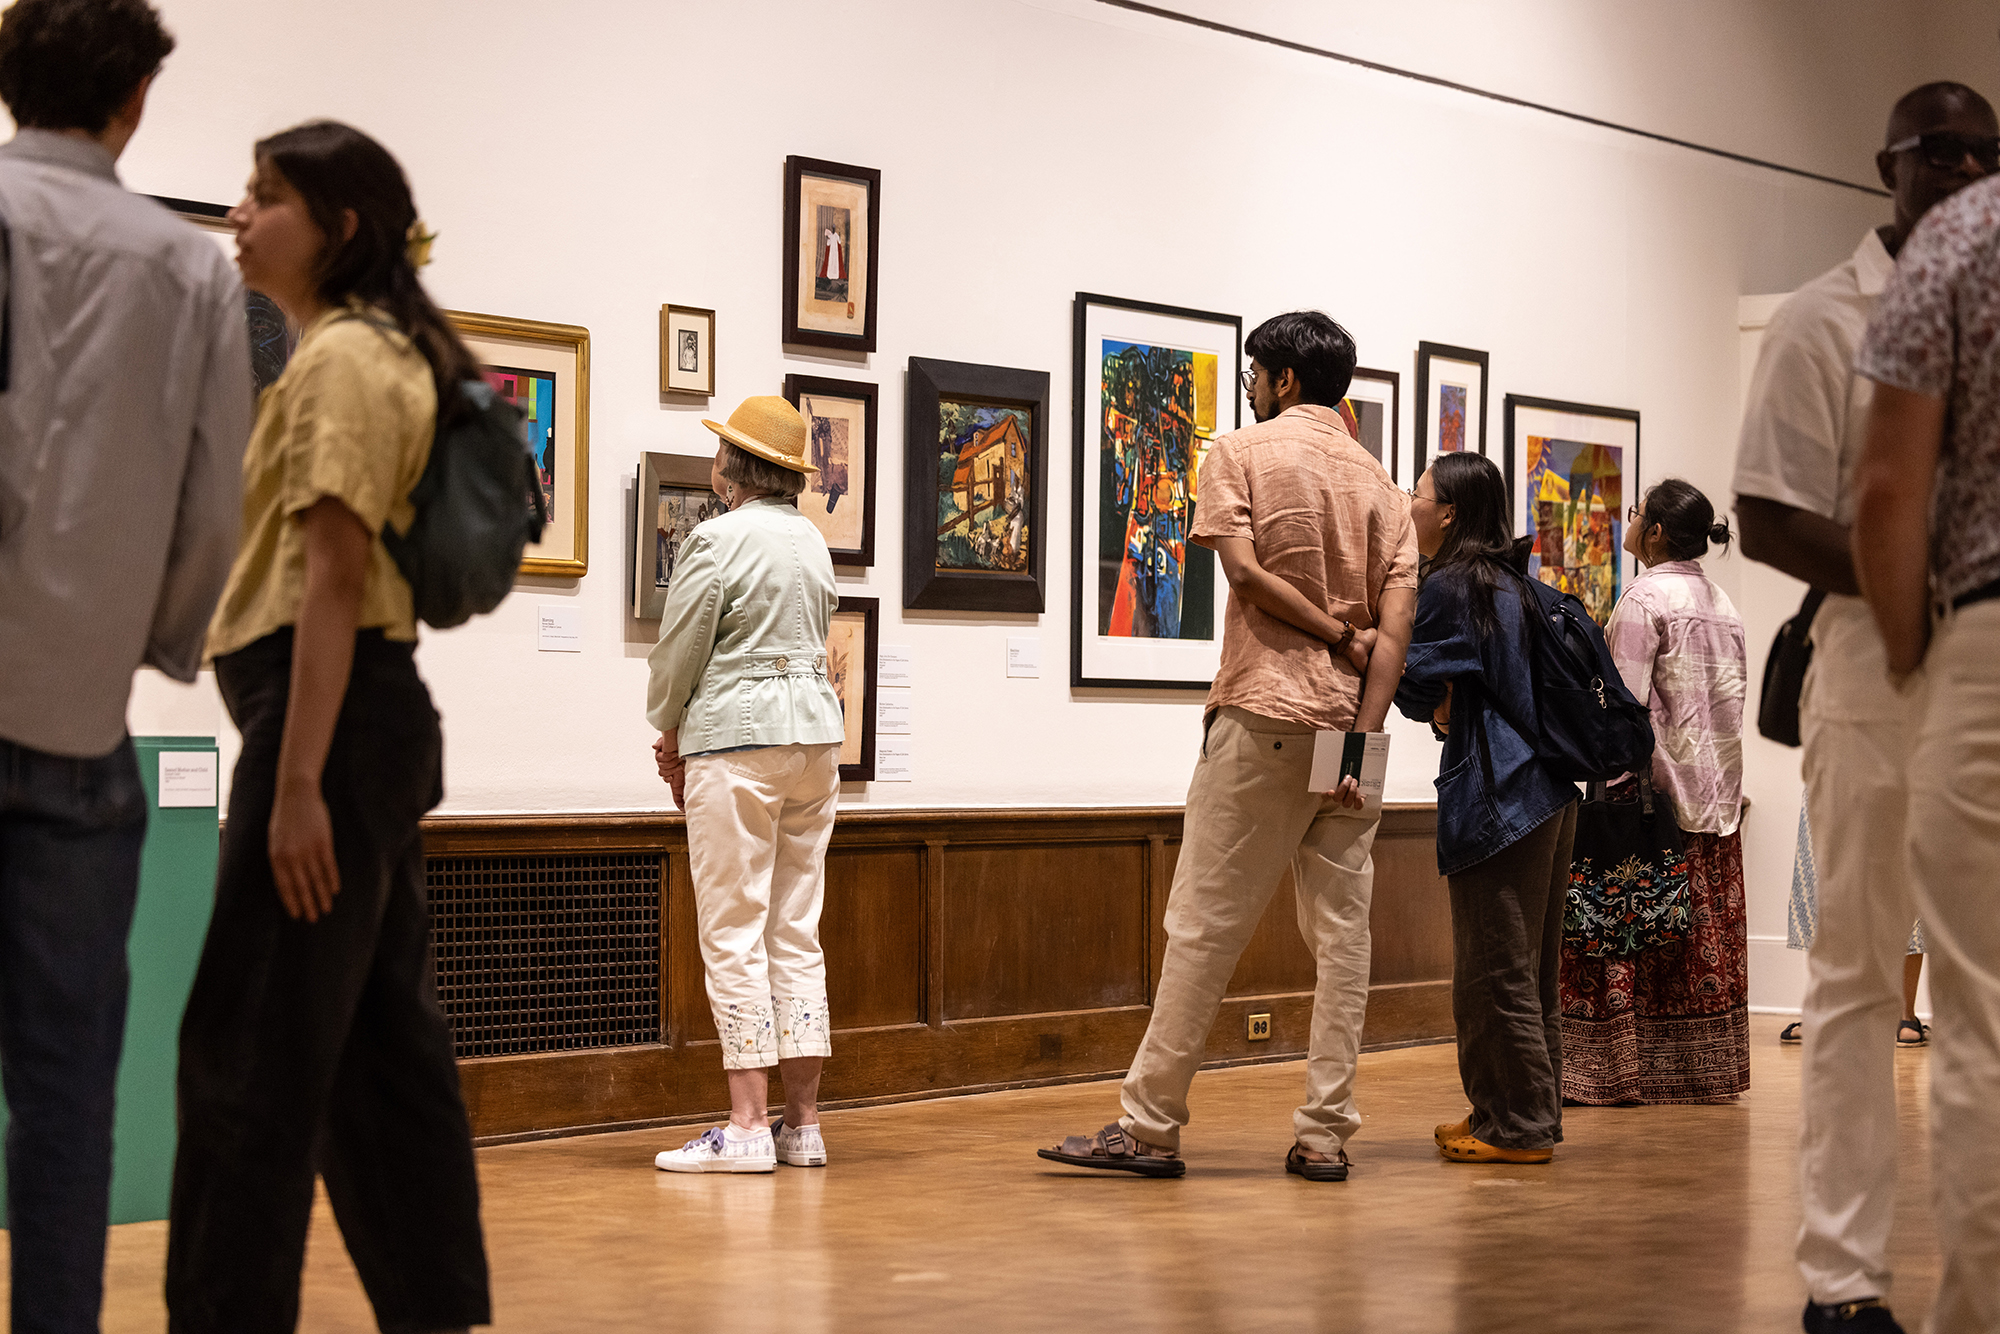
[{"x": 1336, "y": 755}]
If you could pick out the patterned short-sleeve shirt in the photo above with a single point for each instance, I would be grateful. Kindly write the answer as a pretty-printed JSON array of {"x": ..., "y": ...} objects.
[{"x": 1934, "y": 334}]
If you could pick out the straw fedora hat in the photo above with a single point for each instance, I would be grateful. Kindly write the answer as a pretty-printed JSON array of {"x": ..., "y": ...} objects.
[{"x": 770, "y": 428}]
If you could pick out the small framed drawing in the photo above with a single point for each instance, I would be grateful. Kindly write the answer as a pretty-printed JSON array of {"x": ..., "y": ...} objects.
[
  {"x": 852, "y": 641},
  {"x": 1373, "y": 406},
  {"x": 840, "y": 497},
  {"x": 1451, "y": 403},
  {"x": 1154, "y": 387},
  {"x": 1579, "y": 472},
  {"x": 833, "y": 215},
  {"x": 544, "y": 370},
  {"x": 687, "y": 351},
  {"x": 271, "y": 337},
  {"x": 975, "y": 487},
  {"x": 673, "y": 497}
]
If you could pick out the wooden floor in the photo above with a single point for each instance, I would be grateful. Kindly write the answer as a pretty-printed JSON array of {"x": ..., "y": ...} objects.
[{"x": 937, "y": 1215}]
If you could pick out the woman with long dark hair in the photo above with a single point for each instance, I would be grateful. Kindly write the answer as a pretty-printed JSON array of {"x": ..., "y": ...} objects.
[
  {"x": 1505, "y": 824},
  {"x": 1672, "y": 1023},
  {"x": 313, "y": 1041}
]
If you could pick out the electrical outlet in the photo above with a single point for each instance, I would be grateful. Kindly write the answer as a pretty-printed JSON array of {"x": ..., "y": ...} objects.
[{"x": 1260, "y": 1028}]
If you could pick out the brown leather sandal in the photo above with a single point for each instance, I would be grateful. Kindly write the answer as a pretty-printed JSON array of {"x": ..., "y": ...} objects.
[{"x": 1111, "y": 1149}]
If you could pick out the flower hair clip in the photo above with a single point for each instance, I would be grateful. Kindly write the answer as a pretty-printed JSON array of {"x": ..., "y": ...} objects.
[{"x": 417, "y": 244}]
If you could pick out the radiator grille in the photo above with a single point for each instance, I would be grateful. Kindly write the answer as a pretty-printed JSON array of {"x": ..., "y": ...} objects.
[{"x": 547, "y": 953}]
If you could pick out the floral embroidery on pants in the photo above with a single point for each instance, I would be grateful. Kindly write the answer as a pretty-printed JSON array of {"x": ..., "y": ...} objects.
[
  {"x": 803, "y": 1030},
  {"x": 746, "y": 1031}
]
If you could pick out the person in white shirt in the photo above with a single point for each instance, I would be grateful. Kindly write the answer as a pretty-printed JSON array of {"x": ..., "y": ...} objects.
[{"x": 1795, "y": 502}]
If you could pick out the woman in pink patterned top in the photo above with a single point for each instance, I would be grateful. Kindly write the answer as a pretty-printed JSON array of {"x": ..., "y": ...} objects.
[{"x": 1672, "y": 1024}]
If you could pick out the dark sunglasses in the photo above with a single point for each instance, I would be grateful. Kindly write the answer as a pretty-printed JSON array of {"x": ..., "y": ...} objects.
[{"x": 1945, "y": 150}]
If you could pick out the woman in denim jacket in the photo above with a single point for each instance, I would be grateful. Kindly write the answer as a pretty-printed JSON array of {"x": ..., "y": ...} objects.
[
  {"x": 750, "y": 743},
  {"x": 1505, "y": 824}
]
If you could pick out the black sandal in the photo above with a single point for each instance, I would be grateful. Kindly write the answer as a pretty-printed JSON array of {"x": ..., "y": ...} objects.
[
  {"x": 1790, "y": 1033},
  {"x": 1923, "y": 1034},
  {"x": 1334, "y": 1169},
  {"x": 1111, "y": 1149}
]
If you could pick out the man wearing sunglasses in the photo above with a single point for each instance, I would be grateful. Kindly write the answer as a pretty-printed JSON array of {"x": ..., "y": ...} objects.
[{"x": 1796, "y": 496}]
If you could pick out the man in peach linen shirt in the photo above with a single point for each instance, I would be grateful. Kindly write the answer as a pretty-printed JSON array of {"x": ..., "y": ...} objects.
[{"x": 1317, "y": 545}]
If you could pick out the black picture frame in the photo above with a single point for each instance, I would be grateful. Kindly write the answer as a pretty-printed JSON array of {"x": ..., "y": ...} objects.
[
  {"x": 925, "y": 587},
  {"x": 871, "y": 636},
  {"x": 1084, "y": 404},
  {"x": 1426, "y": 353},
  {"x": 796, "y": 388},
  {"x": 797, "y": 170},
  {"x": 1520, "y": 506},
  {"x": 1393, "y": 446}
]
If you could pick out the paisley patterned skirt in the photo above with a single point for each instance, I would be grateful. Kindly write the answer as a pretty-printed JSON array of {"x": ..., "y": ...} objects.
[{"x": 1671, "y": 1024}]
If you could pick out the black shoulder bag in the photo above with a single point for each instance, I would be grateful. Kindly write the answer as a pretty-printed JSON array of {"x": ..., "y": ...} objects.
[{"x": 1785, "y": 674}]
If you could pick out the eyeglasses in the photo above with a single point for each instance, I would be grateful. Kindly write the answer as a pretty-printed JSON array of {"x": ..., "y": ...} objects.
[
  {"x": 1945, "y": 150},
  {"x": 1247, "y": 378},
  {"x": 1634, "y": 515},
  {"x": 1413, "y": 494}
]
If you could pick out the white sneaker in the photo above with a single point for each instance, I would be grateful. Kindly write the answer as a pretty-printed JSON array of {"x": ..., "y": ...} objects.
[
  {"x": 801, "y": 1147},
  {"x": 719, "y": 1150}
]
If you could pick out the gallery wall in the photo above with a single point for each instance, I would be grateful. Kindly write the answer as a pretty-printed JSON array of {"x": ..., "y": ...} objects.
[{"x": 588, "y": 170}]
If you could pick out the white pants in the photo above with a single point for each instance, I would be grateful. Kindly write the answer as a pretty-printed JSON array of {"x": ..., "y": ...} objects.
[
  {"x": 1858, "y": 735},
  {"x": 1954, "y": 842},
  {"x": 758, "y": 824}
]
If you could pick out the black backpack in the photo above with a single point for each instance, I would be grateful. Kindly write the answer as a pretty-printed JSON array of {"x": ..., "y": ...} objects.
[
  {"x": 479, "y": 504},
  {"x": 1592, "y": 729}
]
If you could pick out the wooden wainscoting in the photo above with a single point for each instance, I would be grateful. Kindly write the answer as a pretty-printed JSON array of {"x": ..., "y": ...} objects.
[{"x": 966, "y": 950}]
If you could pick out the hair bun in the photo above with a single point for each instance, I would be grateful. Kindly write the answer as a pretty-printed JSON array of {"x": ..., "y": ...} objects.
[{"x": 1719, "y": 531}]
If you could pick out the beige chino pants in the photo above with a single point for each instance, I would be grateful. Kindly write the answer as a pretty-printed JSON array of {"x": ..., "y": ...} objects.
[
  {"x": 1954, "y": 843},
  {"x": 1249, "y": 816},
  {"x": 758, "y": 824}
]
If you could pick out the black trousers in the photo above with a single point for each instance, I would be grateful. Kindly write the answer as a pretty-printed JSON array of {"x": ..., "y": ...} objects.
[
  {"x": 1506, "y": 947},
  {"x": 320, "y": 1048}
]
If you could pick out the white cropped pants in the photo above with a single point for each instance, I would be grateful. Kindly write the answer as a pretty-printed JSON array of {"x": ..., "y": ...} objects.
[{"x": 758, "y": 824}]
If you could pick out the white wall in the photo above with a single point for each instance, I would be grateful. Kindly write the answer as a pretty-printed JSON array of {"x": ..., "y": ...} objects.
[{"x": 587, "y": 164}]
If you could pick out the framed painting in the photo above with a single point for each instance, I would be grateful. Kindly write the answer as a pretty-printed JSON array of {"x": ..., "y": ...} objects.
[
  {"x": 840, "y": 497},
  {"x": 833, "y": 215},
  {"x": 1451, "y": 402},
  {"x": 975, "y": 487},
  {"x": 544, "y": 370},
  {"x": 1373, "y": 406},
  {"x": 853, "y": 639},
  {"x": 687, "y": 351},
  {"x": 1155, "y": 385},
  {"x": 1579, "y": 472},
  {"x": 272, "y": 337},
  {"x": 673, "y": 497}
]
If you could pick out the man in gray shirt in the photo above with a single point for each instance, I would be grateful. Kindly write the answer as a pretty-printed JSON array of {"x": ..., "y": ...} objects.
[{"x": 124, "y": 409}]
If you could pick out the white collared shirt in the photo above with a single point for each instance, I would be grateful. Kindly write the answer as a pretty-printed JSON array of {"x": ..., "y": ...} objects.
[{"x": 1807, "y": 415}]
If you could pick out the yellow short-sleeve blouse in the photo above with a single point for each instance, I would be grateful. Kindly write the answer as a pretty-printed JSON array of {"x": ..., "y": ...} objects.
[{"x": 352, "y": 418}]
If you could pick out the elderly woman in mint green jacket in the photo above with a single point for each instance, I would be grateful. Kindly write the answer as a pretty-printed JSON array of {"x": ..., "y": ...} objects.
[{"x": 750, "y": 741}]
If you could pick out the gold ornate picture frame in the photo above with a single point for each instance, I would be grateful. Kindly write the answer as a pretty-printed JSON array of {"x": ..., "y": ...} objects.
[{"x": 544, "y": 369}]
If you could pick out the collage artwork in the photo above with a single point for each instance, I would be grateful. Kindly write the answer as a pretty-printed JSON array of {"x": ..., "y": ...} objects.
[
  {"x": 1576, "y": 514},
  {"x": 1159, "y": 410},
  {"x": 1365, "y": 420},
  {"x": 681, "y": 508},
  {"x": 983, "y": 472},
  {"x": 534, "y": 393},
  {"x": 830, "y": 250}
]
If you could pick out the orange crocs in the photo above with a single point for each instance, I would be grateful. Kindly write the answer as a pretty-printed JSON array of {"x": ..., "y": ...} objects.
[{"x": 1467, "y": 1149}]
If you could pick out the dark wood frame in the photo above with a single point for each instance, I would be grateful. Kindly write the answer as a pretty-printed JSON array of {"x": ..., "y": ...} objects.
[
  {"x": 1513, "y": 401},
  {"x": 1425, "y": 352},
  {"x": 797, "y": 387},
  {"x": 925, "y": 587},
  {"x": 669, "y": 310},
  {"x": 1082, "y": 404},
  {"x": 656, "y": 471},
  {"x": 871, "y": 647},
  {"x": 1395, "y": 383},
  {"x": 796, "y": 169}
]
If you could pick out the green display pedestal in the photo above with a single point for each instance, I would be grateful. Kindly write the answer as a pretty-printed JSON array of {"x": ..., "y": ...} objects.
[{"x": 176, "y": 892}]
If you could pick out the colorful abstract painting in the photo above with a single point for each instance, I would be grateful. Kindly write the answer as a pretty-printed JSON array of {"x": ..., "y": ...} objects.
[
  {"x": 1576, "y": 514},
  {"x": 1158, "y": 409},
  {"x": 1451, "y": 418},
  {"x": 534, "y": 393},
  {"x": 983, "y": 487}
]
